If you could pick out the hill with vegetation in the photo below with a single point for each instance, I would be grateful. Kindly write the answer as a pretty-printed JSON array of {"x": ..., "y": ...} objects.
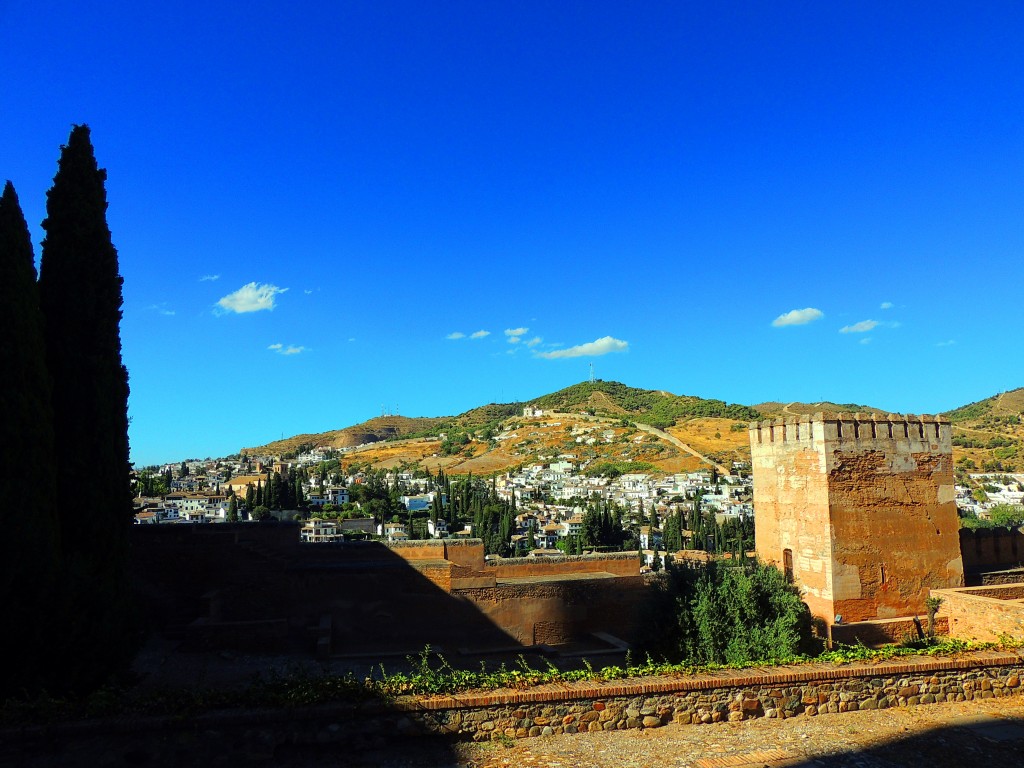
[
  {"x": 603, "y": 422},
  {"x": 371, "y": 431},
  {"x": 988, "y": 435},
  {"x": 776, "y": 410},
  {"x": 655, "y": 407}
]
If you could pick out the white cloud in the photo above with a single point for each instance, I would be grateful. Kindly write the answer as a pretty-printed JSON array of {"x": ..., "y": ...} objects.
[
  {"x": 479, "y": 334},
  {"x": 209, "y": 278},
  {"x": 162, "y": 309},
  {"x": 866, "y": 340},
  {"x": 948, "y": 343},
  {"x": 455, "y": 335},
  {"x": 252, "y": 297},
  {"x": 798, "y": 317},
  {"x": 534, "y": 341},
  {"x": 886, "y": 305},
  {"x": 601, "y": 346},
  {"x": 514, "y": 334},
  {"x": 307, "y": 291},
  {"x": 281, "y": 349},
  {"x": 862, "y": 327}
]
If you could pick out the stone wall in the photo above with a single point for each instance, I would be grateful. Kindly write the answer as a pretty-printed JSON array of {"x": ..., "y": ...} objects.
[
  {"x": 254, "y": 587},
  {"x": 879, "y": 632},
  {"x": 556, "y": 612},
  {"x": 725, "y": 696},
  {"x": 864, "y": 505},
  {"x": 244, "y": 736},
  {"x": 791, "y": 506},
  {"x": 986, "y": 549},
  {"x": 615, "y": 563},
  {"x": 984, "y": 613}
]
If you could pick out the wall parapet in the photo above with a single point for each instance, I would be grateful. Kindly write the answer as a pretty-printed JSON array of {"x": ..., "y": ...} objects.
[{"x": 851, "y": 428}]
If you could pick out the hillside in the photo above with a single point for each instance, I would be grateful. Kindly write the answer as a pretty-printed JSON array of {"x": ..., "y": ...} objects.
[
  {"x": 775, "y": 410},
  {"x": 647, "y": 406},
  {"x": 595, "y": 421},
  {"x": 372, "y": 431},
  {"x": 989, "y": 435}
]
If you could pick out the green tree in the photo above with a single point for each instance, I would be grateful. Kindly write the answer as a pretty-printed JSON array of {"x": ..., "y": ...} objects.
[
  {"x": 29, "y": 548},
  {"x": 232, "y": 509},
  {"x": 1007, "y": 515},
  {"x": 736, "y": 614},
  {"x": 80, "y": 294}
]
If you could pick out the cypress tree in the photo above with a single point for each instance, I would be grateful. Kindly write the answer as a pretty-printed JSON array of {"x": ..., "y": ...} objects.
[
  {"x": 80, "y": 294},
  {"x": 28, "y": 548}
]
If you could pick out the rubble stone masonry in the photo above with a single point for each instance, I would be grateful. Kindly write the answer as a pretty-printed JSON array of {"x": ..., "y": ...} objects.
[{"x": 859, "y": 509}]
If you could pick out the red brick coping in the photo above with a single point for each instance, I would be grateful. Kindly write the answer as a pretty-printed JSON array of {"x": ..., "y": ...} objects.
[{"x": 758, "y": 677}]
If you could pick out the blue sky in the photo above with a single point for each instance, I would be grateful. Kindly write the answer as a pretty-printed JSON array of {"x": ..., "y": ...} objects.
[{"x": 312, "y": 201}]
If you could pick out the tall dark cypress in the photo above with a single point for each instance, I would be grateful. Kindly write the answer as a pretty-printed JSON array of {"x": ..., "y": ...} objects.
[
  {"x": 28, "y": 548},
  {"x": 80, "y": 293}
]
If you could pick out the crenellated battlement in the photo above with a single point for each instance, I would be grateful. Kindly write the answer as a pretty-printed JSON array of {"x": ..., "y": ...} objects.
[{"x": 853, "y": 429}]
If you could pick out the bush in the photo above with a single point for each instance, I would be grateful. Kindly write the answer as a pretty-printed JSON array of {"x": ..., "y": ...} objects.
[{"x": 732, "y": 614}]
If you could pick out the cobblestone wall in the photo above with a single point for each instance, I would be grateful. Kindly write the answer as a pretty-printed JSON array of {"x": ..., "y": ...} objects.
[
  {"x": 257, "y": 736},
  {"x": 727, "y": 696}
]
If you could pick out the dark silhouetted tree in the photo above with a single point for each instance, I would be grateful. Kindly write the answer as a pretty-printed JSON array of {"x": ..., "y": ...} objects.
[
  {"x": 80, "y": 294},
  {"x": 28, "y": 552}
]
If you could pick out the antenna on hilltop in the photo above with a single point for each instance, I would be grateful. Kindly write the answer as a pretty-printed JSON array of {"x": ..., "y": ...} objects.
[{"x": 591, "y": 373}]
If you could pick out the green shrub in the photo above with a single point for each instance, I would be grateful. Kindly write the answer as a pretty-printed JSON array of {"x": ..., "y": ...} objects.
[{"x": 731, "y": 614}]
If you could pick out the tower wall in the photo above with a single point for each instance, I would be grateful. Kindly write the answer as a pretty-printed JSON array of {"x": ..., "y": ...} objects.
[
  {"x": 865, "y": 503},
  {"x": 895, "y": 530},
  {"x": 791, "y": 504}
]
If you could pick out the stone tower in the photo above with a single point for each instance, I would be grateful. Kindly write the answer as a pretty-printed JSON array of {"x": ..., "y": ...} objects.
[{"x": 858, "y": 510}]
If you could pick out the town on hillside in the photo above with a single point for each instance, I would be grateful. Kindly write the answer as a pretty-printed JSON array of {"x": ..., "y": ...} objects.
[{"x": 564, "y": 504}]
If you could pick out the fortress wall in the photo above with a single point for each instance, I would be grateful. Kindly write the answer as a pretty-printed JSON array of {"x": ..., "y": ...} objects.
[
  {"x": 992, "y": 548},
  {"x": 554, "y": 613},
  {"x": 616, "y": 563},
  {"x": 865, "y": 503},
  {"x": 379, "y": 598},
  {"x": 465, "y": 553},
  {"x": 858, "y": 430},
  {"x": 984, "y": 614},
  {"x": 791, "y": 504},
  {"x": 895, "y": 528}
]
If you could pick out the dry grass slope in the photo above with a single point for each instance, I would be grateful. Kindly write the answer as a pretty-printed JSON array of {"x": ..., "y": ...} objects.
[{"x": 988, "y": 434}]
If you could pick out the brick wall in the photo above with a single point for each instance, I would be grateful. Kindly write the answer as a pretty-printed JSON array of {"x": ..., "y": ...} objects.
[{"x": 984, "y": 613}]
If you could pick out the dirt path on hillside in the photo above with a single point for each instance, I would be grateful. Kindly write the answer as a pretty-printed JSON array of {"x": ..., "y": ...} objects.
[
  {"x": 681, "y": 445},
  {"x": 651, "y": 431}
]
